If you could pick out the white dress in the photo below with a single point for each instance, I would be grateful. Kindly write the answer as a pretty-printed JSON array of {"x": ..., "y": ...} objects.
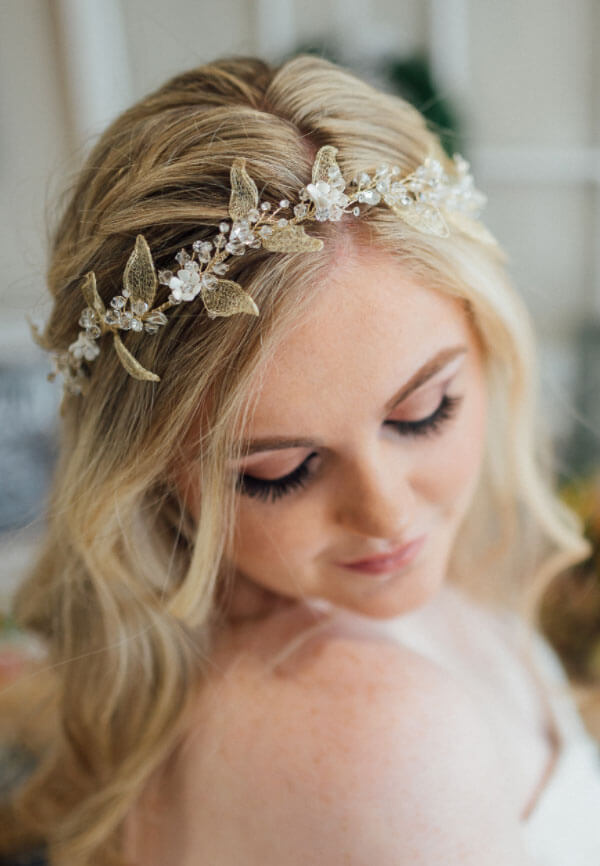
[{"x": 563, "y": 827}]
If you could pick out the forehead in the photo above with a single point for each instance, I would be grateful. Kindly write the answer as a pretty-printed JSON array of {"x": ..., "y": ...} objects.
[{"x": 372, "y": 324}]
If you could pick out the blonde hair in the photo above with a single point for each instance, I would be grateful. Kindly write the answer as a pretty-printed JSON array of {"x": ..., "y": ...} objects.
[{"x": 125, "y": 590}]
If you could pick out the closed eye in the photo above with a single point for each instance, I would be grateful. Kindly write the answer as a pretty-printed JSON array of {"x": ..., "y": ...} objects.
[
  {"x": 432, "y": 423},
  {"x": 274, "y": 488}
]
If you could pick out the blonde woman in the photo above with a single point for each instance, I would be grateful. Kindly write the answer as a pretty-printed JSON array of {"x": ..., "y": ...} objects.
[{"x": 303, "y": 511}]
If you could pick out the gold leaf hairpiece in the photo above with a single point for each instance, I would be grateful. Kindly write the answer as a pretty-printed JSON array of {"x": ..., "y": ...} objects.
[
  {"x": 325, "y": 165},
  {"x": 91, "y": 296},
  {"x": 244, "y": 194},
  {"x": 428, "y": 199},
  {"x": 139, "y": 276}
]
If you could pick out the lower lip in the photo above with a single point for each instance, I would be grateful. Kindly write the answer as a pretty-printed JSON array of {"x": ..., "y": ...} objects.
[{"x": 384, "y": 566}]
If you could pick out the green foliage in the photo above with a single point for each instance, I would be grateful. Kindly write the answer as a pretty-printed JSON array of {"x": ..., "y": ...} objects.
[{"x": 411, "y": 78}]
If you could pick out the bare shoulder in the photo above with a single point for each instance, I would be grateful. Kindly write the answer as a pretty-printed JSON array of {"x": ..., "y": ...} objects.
[{"x": 358, "y": 751}]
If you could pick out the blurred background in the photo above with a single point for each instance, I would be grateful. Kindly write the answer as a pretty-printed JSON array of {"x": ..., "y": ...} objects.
[{"x": 513, "y": 86}]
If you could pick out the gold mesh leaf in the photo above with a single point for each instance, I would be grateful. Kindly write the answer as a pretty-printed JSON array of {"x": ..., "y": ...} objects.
[
  {"x": 244, "y": 194},
  {"x": 90, "y": 293},
  {"x": 139, "y": 276},
  {"x": 429, "y": 220},
  {"x": 291, "y": 239},
  {"x": 228, "y": 298},
  {"x": 324, "y": 160},
  {"x": 133, "y": 367},
  {"x": 473, "y": 228}
]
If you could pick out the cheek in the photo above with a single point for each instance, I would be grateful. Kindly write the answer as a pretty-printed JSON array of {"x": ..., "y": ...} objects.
[
  {"x": 274, "y": 532},
  {"x": 451, "y": 466}
]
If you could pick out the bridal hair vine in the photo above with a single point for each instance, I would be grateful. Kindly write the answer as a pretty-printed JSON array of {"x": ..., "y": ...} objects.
[{"x": 428, "y": 199}]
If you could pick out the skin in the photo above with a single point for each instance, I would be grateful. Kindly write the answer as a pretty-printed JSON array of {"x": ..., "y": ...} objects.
[{"x": 370, "y": 488}]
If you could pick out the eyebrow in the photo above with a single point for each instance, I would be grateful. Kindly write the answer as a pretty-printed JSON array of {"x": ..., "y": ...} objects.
[{"x": 422, "y": 375}]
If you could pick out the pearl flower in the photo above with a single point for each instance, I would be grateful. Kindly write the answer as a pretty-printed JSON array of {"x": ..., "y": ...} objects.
[
  {"x": 329, "y": 200},
  {"x": 84, "y": 347},
  {"x": 186, "y": 285}
]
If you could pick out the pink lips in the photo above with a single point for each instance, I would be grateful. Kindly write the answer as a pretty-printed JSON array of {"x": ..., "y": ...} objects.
[{"x": 389, "y": 561}]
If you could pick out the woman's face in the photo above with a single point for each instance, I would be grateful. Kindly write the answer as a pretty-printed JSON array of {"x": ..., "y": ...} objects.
[{"x": 378, "y": 406}]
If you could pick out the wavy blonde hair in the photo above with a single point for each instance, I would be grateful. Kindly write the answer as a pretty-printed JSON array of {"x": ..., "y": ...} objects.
[{"x": 125, "y": 589}]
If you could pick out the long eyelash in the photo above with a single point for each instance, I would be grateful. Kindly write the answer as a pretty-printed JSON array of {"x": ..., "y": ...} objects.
[
  {"x": 430, "y": 425},
  {"x": 274, "y": 489}
]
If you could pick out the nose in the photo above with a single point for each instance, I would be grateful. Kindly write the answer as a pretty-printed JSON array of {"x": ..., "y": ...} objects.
[{"x": 375, "y": 502}]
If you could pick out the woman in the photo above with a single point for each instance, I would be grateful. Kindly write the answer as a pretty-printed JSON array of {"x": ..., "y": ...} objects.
[{"x": 285, "y": 500}]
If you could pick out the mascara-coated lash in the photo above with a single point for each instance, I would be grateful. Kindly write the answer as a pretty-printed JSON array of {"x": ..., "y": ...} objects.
[{"x": 275, "y": 488}]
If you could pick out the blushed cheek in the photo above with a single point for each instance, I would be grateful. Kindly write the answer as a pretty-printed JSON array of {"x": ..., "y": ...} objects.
[
  {"x": 470, "y": 450},
  {"x": 264, "y": 538},
  {"x": 455, "y": 461}
]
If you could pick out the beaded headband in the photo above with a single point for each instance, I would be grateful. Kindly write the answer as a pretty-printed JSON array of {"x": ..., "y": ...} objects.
[{"x": 428, "y": 199}]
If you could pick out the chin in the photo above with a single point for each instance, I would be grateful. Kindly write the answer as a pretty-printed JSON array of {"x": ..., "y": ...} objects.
[{"x": 399, "y": 594}]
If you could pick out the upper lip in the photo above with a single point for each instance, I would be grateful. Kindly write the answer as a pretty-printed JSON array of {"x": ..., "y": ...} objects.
[{"x": 382, "y": 557}]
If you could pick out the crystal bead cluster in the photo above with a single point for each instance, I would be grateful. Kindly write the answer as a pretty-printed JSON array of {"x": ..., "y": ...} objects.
[{"x": 428, "y": 199}]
